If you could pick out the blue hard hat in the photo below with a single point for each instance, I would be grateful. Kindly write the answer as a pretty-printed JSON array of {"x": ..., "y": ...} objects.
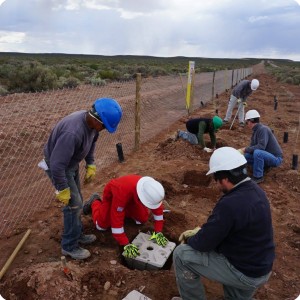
[{"x": 110, "y": 113}]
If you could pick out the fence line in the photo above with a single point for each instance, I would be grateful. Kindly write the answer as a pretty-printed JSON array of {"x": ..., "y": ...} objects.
[{"x": 27, "y": 119}]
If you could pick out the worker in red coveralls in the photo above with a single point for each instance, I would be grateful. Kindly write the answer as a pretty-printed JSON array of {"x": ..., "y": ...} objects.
[{"x": 129, "y": 196}]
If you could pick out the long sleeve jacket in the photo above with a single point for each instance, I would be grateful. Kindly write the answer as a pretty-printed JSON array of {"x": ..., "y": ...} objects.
[
  {"x": 122, "y": 194},
  {"x": 263, "y": 139},
  {"x": 71, "y": 141},
  {"x": 240, "y": 228},
  {"x": 200, "y": 126},
  {"x": 242, "y": 90}
]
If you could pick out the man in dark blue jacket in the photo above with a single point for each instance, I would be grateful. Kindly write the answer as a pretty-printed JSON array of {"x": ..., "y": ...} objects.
[
  {"x": 71, "y": 141},
  {"x": 235, "y": 246}
]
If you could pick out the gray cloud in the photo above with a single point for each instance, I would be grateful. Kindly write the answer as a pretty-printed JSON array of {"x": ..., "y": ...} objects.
[{"x": 215, "y": 28}]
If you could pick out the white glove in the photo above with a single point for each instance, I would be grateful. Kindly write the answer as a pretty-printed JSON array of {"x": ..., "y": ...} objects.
[
  {"x": 239, "y": 101},
  {"x": 208, "y": 150},
  {"x": 242, "y": 150}
]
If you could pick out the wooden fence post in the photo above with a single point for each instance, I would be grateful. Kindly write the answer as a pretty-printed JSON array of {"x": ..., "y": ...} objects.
[{"x": 137, "y": 129}]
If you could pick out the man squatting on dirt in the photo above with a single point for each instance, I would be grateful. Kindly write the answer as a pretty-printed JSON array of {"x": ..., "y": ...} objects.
[
  {"x": 129, "y": 196},
  {"x": 72, "y": 140},
  {"x": 264, "y": 151},
  {"x": 235, "y": 246}
]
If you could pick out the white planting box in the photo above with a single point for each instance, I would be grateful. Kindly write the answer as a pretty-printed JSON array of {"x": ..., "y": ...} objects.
[
  {"x": 135, "y": 295},
  {"x": 152, "y": 256}
]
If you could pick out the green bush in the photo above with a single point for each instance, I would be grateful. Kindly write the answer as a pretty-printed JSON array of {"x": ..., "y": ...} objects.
[
  {"x": 296, "y": 79},
  {"x": 3, "y": 91},
  {"x": 32, "y": 77},
  {"x": 70, "y": 82},
  {"x": 94, "y": 66},
  {"x": 96, "y": 81},
  {"x": 289, "y": 80},
  {"x": 127, "y": 77},
  {"x": 157, "y": 71},
  {"x": 110, "y": 74}
]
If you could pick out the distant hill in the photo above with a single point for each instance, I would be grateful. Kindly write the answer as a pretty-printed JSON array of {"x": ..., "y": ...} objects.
[{"x": 31, "y": 72}]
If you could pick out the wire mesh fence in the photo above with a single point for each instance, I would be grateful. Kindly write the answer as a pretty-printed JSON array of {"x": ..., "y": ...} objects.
[{"x": 27, "y": 119}]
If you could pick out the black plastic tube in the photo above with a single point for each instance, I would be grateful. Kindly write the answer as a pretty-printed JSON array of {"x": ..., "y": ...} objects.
[
  {"x": 275, "y": 105},
  {"x": 295, "y": 162},
  {"x": 285, "y": 137},
  {"x": 120, "y": 152}
]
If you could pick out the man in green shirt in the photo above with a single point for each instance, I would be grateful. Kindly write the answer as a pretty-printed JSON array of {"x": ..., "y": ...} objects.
[{"x": 196, "y": 128}]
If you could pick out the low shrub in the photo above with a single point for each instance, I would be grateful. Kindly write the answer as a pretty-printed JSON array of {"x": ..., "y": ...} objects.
[
  {"x": 96, "y": 81},
  {"x": 3, "y": 91},
  {"x": 70, "y": 82}
]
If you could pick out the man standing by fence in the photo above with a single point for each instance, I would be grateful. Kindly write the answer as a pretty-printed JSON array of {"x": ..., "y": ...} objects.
[
  {"x": 72, "y": 140},
  {"x": 239, "y": 96}
]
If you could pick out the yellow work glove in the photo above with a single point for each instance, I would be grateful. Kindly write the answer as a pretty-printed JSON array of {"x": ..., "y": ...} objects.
[
  {"x": 245, "y": 104},
  {"x": 159, "y": 239},
  {"x": 64, "y": 196},
  {"x": 90, "y": 173},
  {"x": 239, "y": 101},
  {"x": 187, "y": 234},
  {"x": 131, "y": 251}
]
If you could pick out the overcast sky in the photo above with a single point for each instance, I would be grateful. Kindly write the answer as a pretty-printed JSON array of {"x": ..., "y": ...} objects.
[{"x": 192, "y": 28}]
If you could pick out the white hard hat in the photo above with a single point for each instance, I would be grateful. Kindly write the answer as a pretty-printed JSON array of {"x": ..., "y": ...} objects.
[
  {"x": 225, "y": 159},
  {"x": 252, "y": 114},
  {"x": 254, "y": 84},
  {"x": 150, "y": 192}
]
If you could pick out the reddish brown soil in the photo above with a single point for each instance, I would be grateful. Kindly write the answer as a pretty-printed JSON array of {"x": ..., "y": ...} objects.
[{"x": 36, "y": 272}]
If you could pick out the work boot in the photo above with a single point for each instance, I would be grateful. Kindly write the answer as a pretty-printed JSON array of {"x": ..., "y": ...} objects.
[
  {"x": 77, "y": 253},
  {"x": 225, "y": 121},
  {"x": 86, "y": 239},
  {"x": 267, "y": 169},
  {"x": 87, "y": 207},
  {"x": 242, "y": 124},
  {"x": 258, "y": 179},
  {"x": 176, "y": 135}
]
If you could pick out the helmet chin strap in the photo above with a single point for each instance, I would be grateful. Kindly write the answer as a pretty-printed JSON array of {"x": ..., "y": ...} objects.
[{"x": 93, "y": 116}]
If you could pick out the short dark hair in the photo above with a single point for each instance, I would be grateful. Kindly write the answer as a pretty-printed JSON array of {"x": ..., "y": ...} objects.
[
  {"x": 254, "y": 120},
  {"x": 234, "y": 176}
]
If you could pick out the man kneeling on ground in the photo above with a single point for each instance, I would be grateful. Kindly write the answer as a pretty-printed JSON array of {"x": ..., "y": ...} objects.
[
  {"x": 235, "y": 246},
  {"x": 129, "y": 196},
  {"x": 264, "y": 150}
]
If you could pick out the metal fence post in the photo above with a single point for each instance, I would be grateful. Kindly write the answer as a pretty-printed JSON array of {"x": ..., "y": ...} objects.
[{"x": 137, "y": 125}]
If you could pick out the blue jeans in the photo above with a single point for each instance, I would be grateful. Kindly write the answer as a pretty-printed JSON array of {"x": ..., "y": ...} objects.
[
  {"x": 260, "y": 159},
  {"x": 190, "y": 137},
  {"x": 191, "y": 264},
  {"x": 72, "y": 211}
]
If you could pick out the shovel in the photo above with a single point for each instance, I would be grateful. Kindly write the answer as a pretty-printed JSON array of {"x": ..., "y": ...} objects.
[{"x": 240, "y": 105}]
